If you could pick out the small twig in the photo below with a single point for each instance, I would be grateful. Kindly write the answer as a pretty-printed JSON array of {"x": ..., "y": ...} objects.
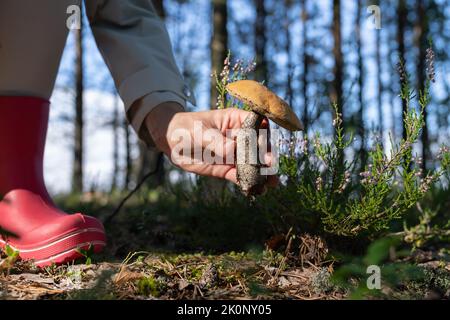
[
  {"x": 441, "y": 233},
  {"x": 293, "y": 275},
  {"x": 132, "y": 192}
]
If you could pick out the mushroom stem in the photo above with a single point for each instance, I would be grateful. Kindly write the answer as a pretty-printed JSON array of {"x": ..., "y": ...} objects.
[{"x": 248, "y": 165}]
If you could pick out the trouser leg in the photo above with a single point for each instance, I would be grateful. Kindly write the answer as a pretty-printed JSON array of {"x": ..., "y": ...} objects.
[{"x": 32, "y": 38}]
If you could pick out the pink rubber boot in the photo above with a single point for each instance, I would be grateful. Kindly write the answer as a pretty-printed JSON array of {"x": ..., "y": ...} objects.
[{"x": 44, "y": 233}]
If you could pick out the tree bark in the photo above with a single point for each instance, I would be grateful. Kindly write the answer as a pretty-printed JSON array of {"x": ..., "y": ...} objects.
[
  {"x": 392, "y": 81},
  {"x": 115, "y": 127},
  {"x": 379, "y": 85},
  {"x": 290, "y": 66},
  {"x": 128, "y": 160},
  {"x": 305, "y": 60},
  {"x": 261, "y": 73},
  {"x": 213, "y": 187},
  {"x": 421, "y": 29},
  {"x": 361, "y": 75},
  {"x": 338, "y": 70},
  {"x": 219, "y": 44},
  {"x": 401, "y": 26},
  {"x": 148, "y": 161},
  {"x": 148, "y": 158},
  {"x": 77, "y": 173}
]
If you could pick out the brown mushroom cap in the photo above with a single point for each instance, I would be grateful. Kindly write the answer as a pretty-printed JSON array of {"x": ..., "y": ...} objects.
[{"x": 263, "y": 101}]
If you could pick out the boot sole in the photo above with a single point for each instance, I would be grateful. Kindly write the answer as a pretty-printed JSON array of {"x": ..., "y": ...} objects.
[{"x": 64, "y": 249}]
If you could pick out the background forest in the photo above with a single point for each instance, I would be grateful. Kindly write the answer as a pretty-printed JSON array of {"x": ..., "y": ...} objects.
[{"x": 365, "y": 184}]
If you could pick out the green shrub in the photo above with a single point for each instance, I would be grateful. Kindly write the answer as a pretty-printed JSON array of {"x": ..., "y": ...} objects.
[{"x": 331, "y": 194}]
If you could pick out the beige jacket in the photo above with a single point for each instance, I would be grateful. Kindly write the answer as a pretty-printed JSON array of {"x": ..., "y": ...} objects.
[{"x": 130, "y": 36}]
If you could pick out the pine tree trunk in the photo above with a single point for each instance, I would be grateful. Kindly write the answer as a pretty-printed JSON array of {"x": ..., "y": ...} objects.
[
  {"x": 391, "y": 85},
  {"x": 361, "y": 74},
  {"x": 213, "y": 187},
  {"x": 305, "y": 59},
  {"x": 77, "y": 173},
  {"x": 421, "y": 30},
  {"x": 290, "y": 66},
  {"x": 261, "y": 72},
  {"x": 115, "y": 127},
  {"x": 148, "y": 158},
  {"x": 338, "y": 70},
  {"x": 128, "y": 160},
  {"x": 401, "y": 26},
  {"x": 219, "y": 44},
  {"x": 379, "y": 85}
]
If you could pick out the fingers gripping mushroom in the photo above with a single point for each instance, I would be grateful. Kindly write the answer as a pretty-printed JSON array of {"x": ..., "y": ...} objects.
[{"x": 262, "y": 103}]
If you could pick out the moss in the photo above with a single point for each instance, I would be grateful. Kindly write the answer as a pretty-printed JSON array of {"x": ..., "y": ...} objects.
[
  {"x": 149, "y": 286},
  {"x": 195, "y": 274}
]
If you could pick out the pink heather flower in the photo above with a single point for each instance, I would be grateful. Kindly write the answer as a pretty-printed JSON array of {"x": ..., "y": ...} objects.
[{"x": 226, "y": 62}]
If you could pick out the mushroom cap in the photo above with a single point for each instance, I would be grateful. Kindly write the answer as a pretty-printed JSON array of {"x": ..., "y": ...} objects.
[{"x": 263, "y": 101}]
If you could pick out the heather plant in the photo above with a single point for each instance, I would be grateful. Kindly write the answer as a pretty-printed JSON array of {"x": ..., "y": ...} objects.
[
  {"x": 327, "y": 189},
  {"x": 231, "y": 72},
  {"x": 349, "y": 202},
  {"x": 426, "y": 231}
]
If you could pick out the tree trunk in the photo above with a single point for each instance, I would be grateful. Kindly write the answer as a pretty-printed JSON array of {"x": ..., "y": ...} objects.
[
  {"x": 290, "y": 67},
  {"x": 77, "y": 174},
  {"x": 392, "y": 81},
  {"x": 421, "y": 30},
  {"x": 148, "y": 157},
  {"x": 213, "y": 187},
  {"x": 261, "y": 73},
  {"x": 219, "y": 44},
  {"x": 128, "y": 160},
  {"x": 401, "y": 26},
  {"x": 338, "y": 70},
  {"x": 379, "y": 85},
  {"x": 115, "y": 127},
  {"x": 361, "y": 74},
  {"x": 305, "y": 59},
  {"x": 148, "y": 160}
]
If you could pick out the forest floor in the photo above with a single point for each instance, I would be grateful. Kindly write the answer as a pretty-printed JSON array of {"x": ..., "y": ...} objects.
[
  {"x": 183, "y": 261},
  {"x": 153, "y": 276},
  {"x": 189, "y": 276}
]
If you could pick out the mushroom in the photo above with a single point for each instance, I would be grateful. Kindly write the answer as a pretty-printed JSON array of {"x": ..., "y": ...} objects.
[{"x": 262, "y": 103}]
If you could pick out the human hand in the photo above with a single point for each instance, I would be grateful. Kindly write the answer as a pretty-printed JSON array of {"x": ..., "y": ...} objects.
[{"x": 167, "y": 123}]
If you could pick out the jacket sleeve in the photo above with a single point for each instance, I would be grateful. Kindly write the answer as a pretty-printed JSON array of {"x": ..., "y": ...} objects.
[{"x": 136, "y": 47}]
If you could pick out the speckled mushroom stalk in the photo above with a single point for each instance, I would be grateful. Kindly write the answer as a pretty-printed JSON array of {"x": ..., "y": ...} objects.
[
  {"x": 248, "y": 173},
  {"x": 262, "y": 103}
]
